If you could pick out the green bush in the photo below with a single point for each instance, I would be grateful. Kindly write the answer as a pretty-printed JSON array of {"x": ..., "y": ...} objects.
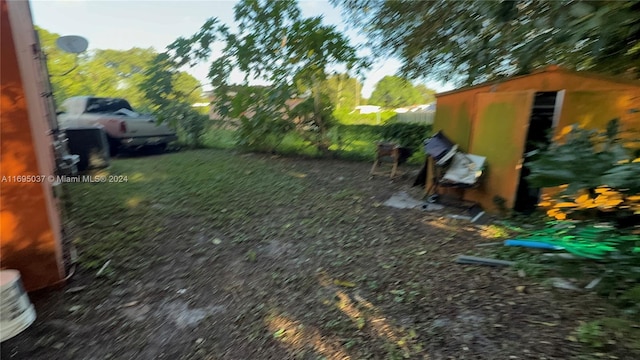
[
  {"x": 219, "y": 138},
  {"x": 352, "y": 142},
  {"x": 409, "y": 135},
  {"x": 351, "y": 117},
  {"x": 357, "y": 142},
  {"x": 598, "y": 170},
  {"x": 190, "y": 125}
]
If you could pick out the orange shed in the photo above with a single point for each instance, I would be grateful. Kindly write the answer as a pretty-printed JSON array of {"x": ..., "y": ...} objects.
[
  {"x": 30, "y": 228},
  {"x": 501, "y": 119}
]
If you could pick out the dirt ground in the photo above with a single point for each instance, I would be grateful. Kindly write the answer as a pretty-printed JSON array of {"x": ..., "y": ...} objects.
[{"x": 330, "y": 273}]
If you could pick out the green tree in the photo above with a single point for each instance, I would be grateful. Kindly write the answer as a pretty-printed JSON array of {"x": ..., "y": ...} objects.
[
  {"x": 273, "y": 43},
  {"x": 428, "y": 95},
  {"x": 64, "y": 80},
  {"x": 112, "y": 73},
  {"x": 342, "y": 90},
  {"x": 170, "y": 94},
  {"x": 394, "y": 91},
  {"x": 469, "y": 42},
  {"x": 117, "y": 73}
]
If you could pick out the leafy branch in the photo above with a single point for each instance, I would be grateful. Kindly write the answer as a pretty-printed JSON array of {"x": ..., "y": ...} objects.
[{"x": 275, "y": 44}]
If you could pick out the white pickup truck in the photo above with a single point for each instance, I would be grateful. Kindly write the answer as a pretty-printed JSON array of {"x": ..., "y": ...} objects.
[{"x": 124, "y": 127}]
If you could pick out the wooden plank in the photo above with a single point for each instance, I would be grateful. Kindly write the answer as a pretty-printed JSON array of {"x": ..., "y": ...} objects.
[{"x": 474, "y": 260}]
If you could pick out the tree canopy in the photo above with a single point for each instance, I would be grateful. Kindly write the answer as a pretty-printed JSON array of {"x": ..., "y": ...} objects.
[
  {"x": 428, "y": 95},
  {"x": 394, "y": 92},
  {"x": 276, "y": 44},
  {"x": 107, "y": 72},
  {"x": 342, "y": 90},
  {"x": 469, "y": 42}
]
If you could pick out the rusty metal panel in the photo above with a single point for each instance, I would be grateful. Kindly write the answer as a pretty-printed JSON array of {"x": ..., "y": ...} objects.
[{"x": 499, "y": 133}]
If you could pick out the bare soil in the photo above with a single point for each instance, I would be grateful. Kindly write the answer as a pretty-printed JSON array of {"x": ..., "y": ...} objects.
[{"x": 329, "y": 273}]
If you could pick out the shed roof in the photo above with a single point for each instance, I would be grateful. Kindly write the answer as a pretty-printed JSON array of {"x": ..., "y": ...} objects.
[{"x": 547, "y": 69}]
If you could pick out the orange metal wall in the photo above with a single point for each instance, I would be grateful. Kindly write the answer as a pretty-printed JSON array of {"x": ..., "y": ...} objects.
[
  {"x": 590, "y": 100},
  {"x": 458, "y": 107},
  {"x": 29, "y": 220},
  {"x": 500, "y": 135},
  {"x": 594, "y": 109}
]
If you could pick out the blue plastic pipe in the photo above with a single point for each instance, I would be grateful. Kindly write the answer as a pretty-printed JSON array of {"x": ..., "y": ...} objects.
[{"x": 532, "y": 244}]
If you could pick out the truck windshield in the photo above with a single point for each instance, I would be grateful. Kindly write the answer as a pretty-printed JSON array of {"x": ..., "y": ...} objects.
[{"x": 106, "y": 105}]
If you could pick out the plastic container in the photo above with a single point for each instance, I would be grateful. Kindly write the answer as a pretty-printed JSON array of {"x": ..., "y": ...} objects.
[{"x": 16, "y": 310}]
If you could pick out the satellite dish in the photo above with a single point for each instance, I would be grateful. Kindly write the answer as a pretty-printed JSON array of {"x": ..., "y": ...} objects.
[{"x": 72, "y": 44}]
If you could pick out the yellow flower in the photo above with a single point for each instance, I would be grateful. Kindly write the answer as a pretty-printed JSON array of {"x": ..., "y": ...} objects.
[
  {"x": 583, "y": 198},
  {"x": 600, "y": 199},
  {"x": 591, "y": 205},
  {"x": 612, "y": 203},
  {"x": 561, "y": 216},
  {"x": 566, "y": 204}
]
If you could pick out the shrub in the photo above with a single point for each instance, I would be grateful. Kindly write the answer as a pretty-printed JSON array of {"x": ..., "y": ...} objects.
[
  {"x": 596, "y": 172},
  {"x": 354, "y": 142},
  {"x": 409, "y": 135},
  {"x": 351, "y": 117},
  {"x": 189, "y": 124}
]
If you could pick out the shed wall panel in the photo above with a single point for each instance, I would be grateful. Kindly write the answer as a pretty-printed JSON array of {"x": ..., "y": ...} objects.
[
  {"x": 499, "y": 134},
  {"x": 29, "y": 220},
  {"x": 591, "y": 100}
]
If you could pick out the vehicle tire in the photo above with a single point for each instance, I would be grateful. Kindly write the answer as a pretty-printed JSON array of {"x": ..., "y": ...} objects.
[{"x": 159, "y": 149}]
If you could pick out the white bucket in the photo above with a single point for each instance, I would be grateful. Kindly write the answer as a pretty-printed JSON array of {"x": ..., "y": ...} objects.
[{"x": 16, "y": 310}]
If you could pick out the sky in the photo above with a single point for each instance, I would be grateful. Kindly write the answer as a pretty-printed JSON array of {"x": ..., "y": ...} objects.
[{"x": 121, "y": 25}]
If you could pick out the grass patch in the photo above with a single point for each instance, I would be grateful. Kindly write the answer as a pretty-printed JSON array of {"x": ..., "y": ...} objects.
[
  {"x": 219, "y": 138},
  {"x": 305, "y": 241},
  {"x": 116, "y": 218},
  {"x": 608, "y": 333},
  {"x": 294, "y": 144}
]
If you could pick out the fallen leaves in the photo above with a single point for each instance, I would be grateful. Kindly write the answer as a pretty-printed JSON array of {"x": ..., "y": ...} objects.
[{"x": 343, "y": 283}]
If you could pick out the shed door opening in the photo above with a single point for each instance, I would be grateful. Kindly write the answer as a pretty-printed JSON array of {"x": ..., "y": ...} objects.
[{"x": 544, "y": 115}]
